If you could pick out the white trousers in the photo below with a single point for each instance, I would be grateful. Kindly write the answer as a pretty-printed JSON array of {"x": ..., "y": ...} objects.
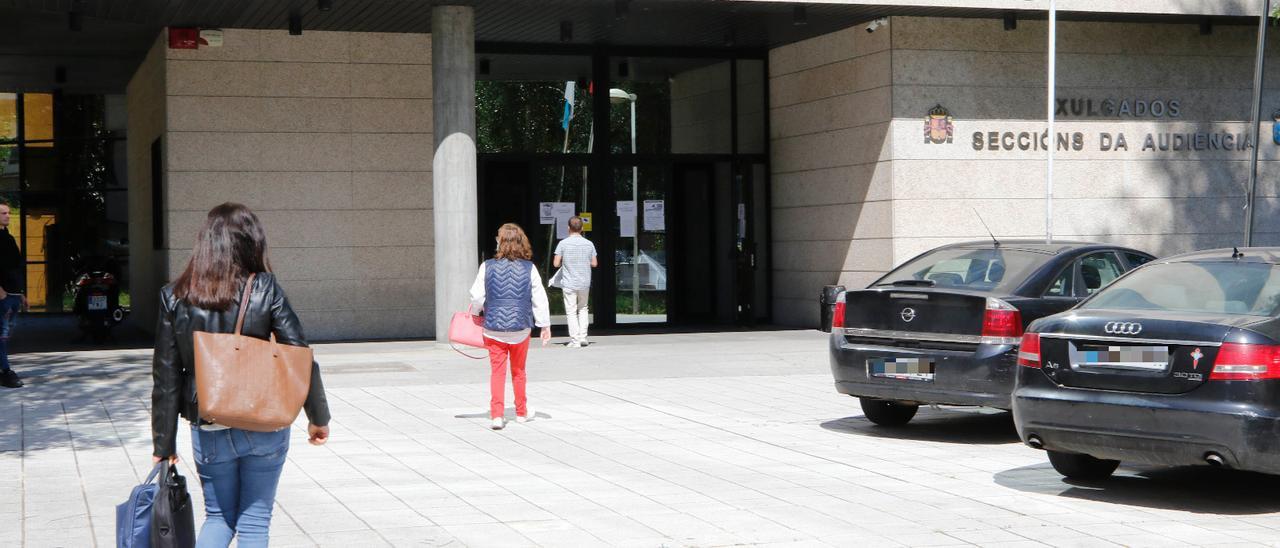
[{"x": 575, "y": 310}]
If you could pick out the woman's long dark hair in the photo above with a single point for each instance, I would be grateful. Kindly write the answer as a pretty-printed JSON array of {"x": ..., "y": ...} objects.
[{"x": 231, "y": 245}]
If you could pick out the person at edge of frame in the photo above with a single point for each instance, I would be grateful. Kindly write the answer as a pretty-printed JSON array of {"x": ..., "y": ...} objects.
[{"x": 12, "y": 298}]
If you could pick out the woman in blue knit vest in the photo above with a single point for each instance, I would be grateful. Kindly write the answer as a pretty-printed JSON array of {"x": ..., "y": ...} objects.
[{"x": 509, "y": 291}]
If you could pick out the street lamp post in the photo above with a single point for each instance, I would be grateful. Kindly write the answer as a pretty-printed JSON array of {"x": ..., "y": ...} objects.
[
  {"x": 617, "y": 96},
  {"x": 1255, "y": 118},
  {"x": 1053, "y": 137}
]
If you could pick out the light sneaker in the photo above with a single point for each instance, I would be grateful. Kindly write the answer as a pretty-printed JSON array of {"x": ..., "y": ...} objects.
[
  {"x": 498, "y": 423},
  {"x": 529, "y": 415},
  {"x": 573, "y": 344}
]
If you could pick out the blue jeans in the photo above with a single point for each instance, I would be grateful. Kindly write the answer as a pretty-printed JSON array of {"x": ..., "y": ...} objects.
[
  {"x": 239, "y": 471},
  {"x": 9, "y": 308}
]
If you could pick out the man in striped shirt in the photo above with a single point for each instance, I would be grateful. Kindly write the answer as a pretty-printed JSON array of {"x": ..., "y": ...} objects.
[{"x": 575, "y": 257}]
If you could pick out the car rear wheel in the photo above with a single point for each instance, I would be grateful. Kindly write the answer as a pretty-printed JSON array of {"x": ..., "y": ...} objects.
[
  {"x": 888, "y": 413},
  {"x": 1082, "y": 467}
]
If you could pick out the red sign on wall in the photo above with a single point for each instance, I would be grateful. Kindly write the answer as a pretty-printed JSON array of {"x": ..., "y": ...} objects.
[{"x": 184, "y": 38}]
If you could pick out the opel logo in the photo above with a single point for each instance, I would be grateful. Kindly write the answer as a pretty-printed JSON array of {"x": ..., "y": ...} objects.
[
  {"x": 1123, "y": 328},
  {"x": 908, "y": 314}
]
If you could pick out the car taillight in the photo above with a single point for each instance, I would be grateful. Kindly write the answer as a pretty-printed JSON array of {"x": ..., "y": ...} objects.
[
  {"x": 1246, "y": 362},
  {"x": 837, "y": 317},
  {"x": 1029, "y": 350},
  {"x": 1001, "y": 323}
]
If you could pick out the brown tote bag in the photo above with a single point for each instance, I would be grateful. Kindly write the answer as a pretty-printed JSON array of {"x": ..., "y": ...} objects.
[{"x": 247, "y": 383}]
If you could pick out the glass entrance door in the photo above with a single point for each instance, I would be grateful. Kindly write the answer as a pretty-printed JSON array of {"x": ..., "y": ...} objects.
[
  {"x": 666, "y": 153},
  {"x": 640, "y": 240},
  {"x": 750, "y": 247},
  {"x": 517, "y": 191}
]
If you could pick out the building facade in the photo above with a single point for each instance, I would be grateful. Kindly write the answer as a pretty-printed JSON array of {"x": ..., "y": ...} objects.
[{"x": 734, "y": 157}]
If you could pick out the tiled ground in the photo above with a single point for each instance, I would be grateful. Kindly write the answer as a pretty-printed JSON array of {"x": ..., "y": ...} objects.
[{"x": 678, "y": 440}]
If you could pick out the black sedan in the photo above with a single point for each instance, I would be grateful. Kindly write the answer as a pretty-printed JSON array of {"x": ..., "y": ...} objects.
[
  {"x": 944, "y": 327},
  {"x": 1177, "y": 363}
]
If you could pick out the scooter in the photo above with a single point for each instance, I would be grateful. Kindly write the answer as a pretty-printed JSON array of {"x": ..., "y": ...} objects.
[{"x": 97, "y": 303}]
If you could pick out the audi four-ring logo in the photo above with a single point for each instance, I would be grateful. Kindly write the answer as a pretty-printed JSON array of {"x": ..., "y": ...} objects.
[
  {"x": 1123, "y": 328},
  {"x": 908, "y": 314}
]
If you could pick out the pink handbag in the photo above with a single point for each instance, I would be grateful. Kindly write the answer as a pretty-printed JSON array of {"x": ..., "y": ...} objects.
[{"x": 467, "y": 330}]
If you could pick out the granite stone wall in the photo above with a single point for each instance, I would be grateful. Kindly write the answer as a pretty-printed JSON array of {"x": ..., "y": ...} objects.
[
  {"x": 1188, "y": 93},
  {"x": 830, "y": 106},
  {"x": 858, "y": 188},
  {"x": 328, "y": 137},
  {"x": 145, "y": 106}
]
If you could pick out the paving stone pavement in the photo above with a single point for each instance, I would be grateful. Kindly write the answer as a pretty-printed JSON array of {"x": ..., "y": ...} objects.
[{"x": 646, "y": 440}]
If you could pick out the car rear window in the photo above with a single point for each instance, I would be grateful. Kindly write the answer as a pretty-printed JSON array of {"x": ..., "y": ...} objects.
[
  {"x": 979, "y": 269},
  {"x": 1219, "y": 287}
]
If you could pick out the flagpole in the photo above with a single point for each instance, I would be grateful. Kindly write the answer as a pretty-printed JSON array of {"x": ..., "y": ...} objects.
[
  {"x": 570, "y": 95},
  {"x": 1053, "y": 136},
  {"x": 1256, "y": 119}
]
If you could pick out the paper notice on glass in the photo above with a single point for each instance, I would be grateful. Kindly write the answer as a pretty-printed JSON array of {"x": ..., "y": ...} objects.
[
  {"x": 655, "y": 216},
  {"x": 563, "y": 211},
  {"x": 627, "y": 219},
  {"x": 546, "y": 213},
  {"x": 742, "y": 221}
]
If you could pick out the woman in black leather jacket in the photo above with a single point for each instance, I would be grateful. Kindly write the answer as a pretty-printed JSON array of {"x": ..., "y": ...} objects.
[{"x": 239, "y": 469}]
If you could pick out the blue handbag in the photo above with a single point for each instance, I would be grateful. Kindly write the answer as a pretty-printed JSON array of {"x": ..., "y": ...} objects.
[{"x": 133, "y": 516}]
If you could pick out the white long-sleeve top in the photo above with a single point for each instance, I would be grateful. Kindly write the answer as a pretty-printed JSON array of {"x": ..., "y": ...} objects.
[{"x": 541, "y": 309}]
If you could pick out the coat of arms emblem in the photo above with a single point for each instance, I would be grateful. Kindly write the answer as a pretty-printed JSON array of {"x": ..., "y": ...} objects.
[{"x": 938, "y": 127}]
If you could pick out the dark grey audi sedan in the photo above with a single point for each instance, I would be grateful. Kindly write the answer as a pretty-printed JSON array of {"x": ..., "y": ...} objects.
[
  {"x": 1177, "y": 363},
  {"x": 944, "y": 327}
]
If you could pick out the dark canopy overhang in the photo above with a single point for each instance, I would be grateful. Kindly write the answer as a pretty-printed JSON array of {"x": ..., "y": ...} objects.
[{"x": 35, "y": 37}]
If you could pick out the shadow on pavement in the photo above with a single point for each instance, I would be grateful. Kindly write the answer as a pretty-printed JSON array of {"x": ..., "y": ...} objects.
[
  {"x": 509, "y": 413},
  {"x": 945, "y": 425},
  {"x": 1197, "y": 489},
  {"x": 61, "y": 333},
  {"x": 62, "y": 394}
]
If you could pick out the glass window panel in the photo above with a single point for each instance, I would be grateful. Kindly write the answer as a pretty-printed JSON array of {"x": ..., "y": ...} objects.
[
  {"x": 8, "y": 116},
  {"x": 37, "y": 112},
  {"x": 67, "y": 234},
  {"x": 115, "y": 114},
  {"x": 1099, "y": 270},
  {"x": 521, "y": 104},
  {"x": 640, "y": 260},
  {"x": 1061, "y": 286},
  {"x": 82, "y": 117},
  {"x": 1219, "y": 288},
  {"x": 1136, "y": 260},
  {"x": 9, "y": 168},
  {"x": 40, "y": 168},
  {"x": 37, "y": 222},
  {"x": 759, "y": 178},
  {"x": 89, "y": 164},
  {"x": 564, "y": 184},
  {"x": 69, "y": 201},
  {"x": 680, "y": 105},
  {"x": 751, "y": 106}
]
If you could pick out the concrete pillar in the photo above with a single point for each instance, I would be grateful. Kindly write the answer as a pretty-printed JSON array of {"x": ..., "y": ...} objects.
[{"x": 453, "y": 61}]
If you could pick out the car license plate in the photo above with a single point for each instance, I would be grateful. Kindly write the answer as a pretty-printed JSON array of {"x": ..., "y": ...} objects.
[
  {"x": 907, "y": 369},
  {"x": 1140, "y": 358},
  {"x": 97, "y": 302}
]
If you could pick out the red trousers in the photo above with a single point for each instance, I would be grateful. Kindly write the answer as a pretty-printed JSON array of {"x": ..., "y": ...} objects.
[{"x": 499, "y": 352}]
